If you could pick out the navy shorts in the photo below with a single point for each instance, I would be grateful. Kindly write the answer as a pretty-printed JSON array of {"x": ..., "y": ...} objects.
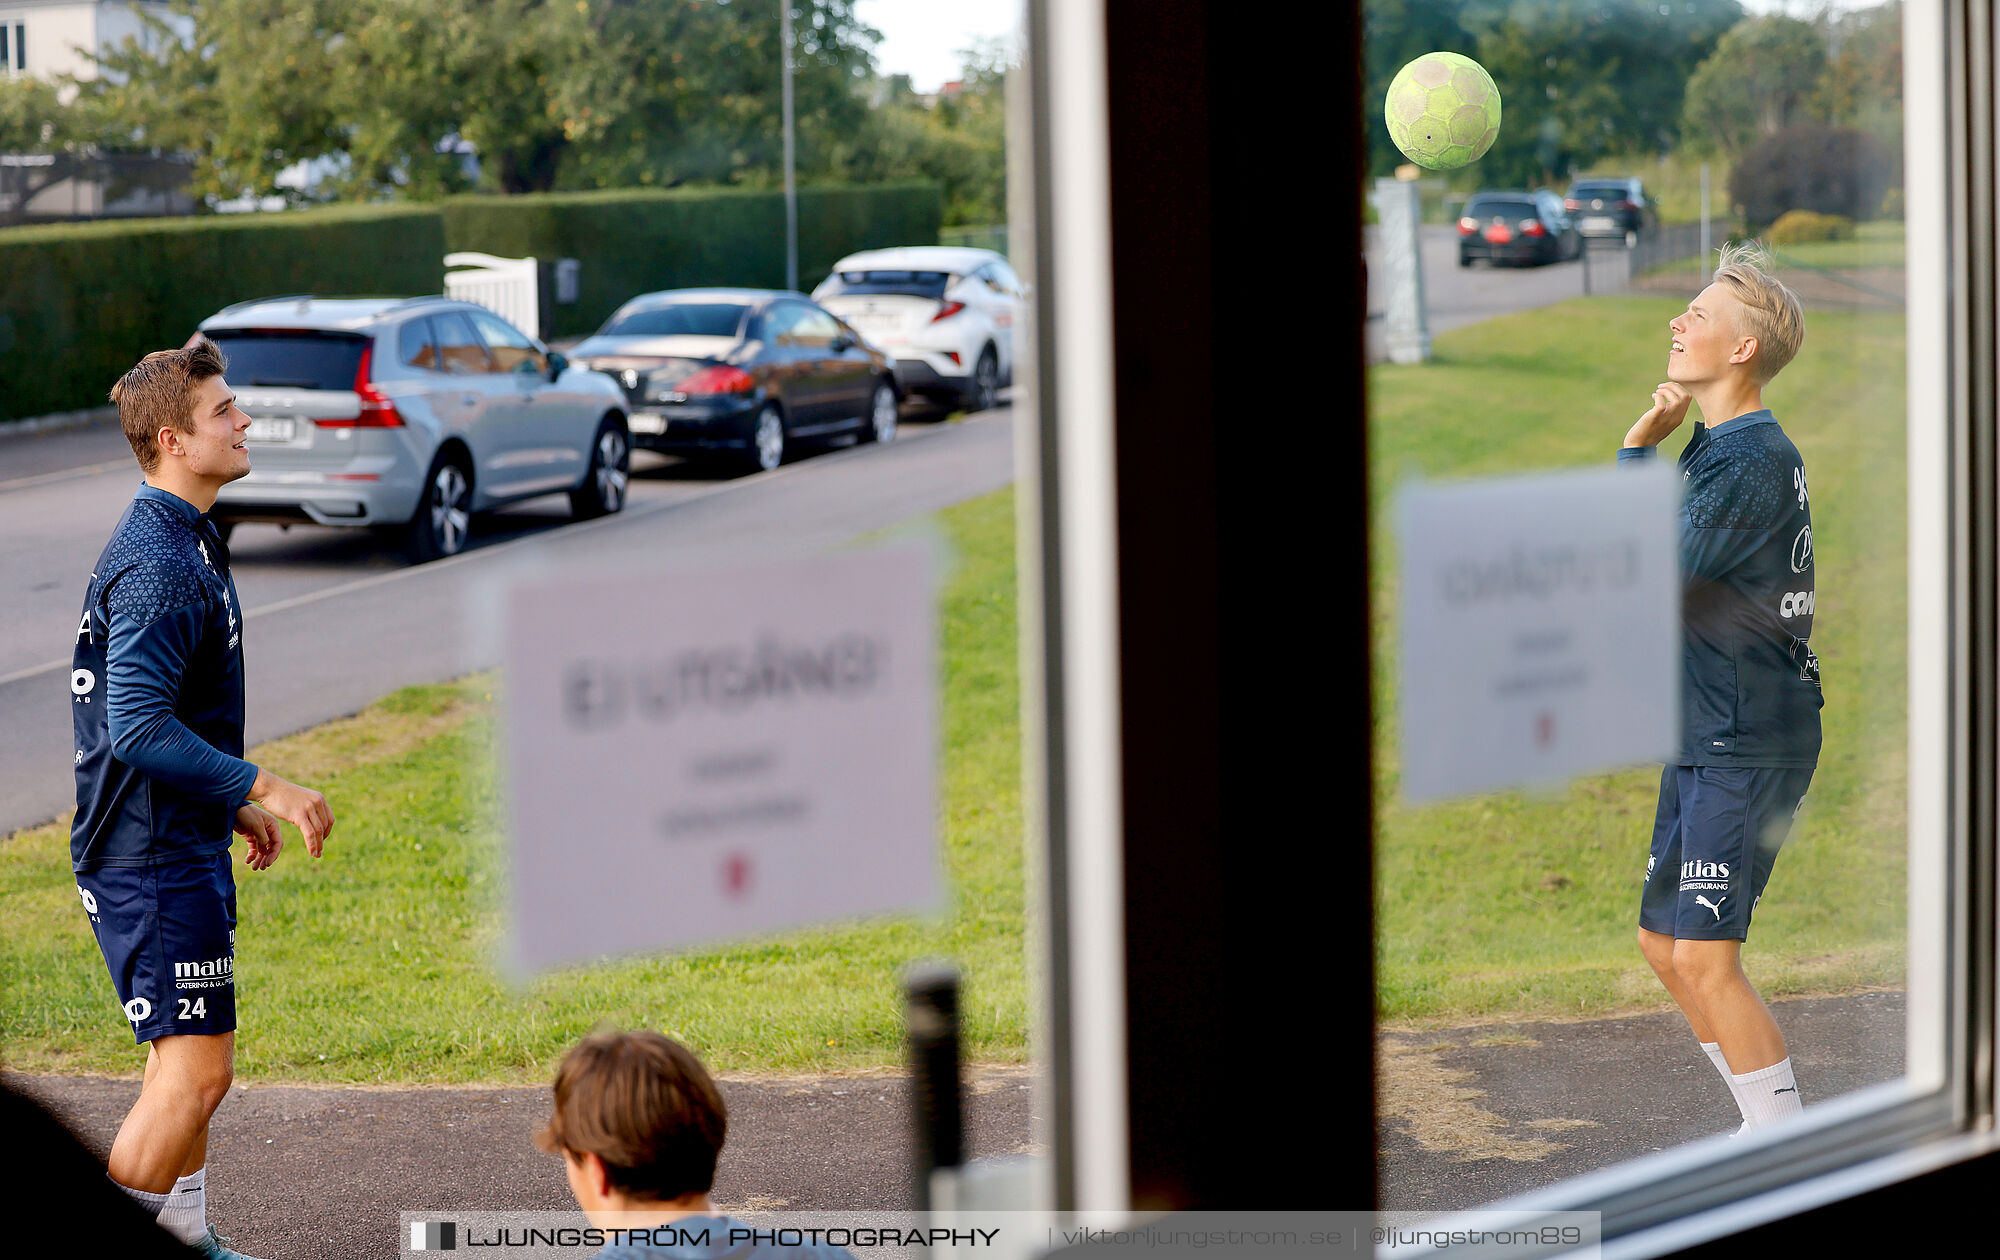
[
  {"x": 168, "y": 935},
  {"x": 1715, "y": 838}
]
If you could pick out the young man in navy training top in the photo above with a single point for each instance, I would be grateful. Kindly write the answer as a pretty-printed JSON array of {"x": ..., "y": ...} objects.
[
  {"x": 639, "y": 1124},
  {"x": 157, "y": 697},
  {"x": 1750, "y": 688}
]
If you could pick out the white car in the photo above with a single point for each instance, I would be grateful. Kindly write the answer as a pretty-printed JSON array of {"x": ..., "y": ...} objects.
[{"x": 944, "y": 315}]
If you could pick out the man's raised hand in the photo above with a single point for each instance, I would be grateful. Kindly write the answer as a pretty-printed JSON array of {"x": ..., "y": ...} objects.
[
  {"x": 300, "y": 806},
  {"x": 1670, "y": 407}
]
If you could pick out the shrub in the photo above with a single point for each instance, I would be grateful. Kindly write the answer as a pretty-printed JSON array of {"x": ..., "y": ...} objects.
[
  {"x": 1813, "y": 167},
  {"x": 631, "y": 242},
  {"x": 1892, "y": 205},
  {"x": 1796, "y": 227},
  {"x": 80, "y": 303}
]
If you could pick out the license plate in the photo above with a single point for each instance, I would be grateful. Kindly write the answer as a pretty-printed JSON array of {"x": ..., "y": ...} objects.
[
  {"x": 647, "y": 422},
  {"x": 877, "y": 323},
  {"x": 1598, "y": 223},
  {"x": 268, "y": 429}
]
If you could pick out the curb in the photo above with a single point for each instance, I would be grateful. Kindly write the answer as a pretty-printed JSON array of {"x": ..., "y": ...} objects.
[{"x": 87, "y": 418}]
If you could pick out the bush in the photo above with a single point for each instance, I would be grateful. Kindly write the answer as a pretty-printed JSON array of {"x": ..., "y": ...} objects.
[
  {"x": 1796, "y": 227},
  {"x": 631, "y": 242},
  {"x": 80, "y": 303},
  {"x": 1814, "y": 167},
  {"x": 1892, "y": 205}
]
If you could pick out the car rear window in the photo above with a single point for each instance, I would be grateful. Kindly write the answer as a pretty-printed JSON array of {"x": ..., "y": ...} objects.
[
  {"x": 1599, "y": 190},
  {"x": 290, "y": 359},
  {"x": 924, "y": 284},
  {"x": 1506, "y": 209},
  {"x": 682, "y": 319}
]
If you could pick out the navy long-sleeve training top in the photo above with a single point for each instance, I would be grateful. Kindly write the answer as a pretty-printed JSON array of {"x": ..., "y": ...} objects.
[
  {"x": 156, "y": 693},
  {"x": 1750, "y": 687}
]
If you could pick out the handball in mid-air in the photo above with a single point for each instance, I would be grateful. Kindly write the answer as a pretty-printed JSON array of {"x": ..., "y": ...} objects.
[{"x": 1443, "y": 111}]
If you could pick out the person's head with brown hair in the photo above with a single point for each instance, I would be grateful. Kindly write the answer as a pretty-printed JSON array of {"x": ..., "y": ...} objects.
[
  {"x": 638, "y": 1121},
  {"x": 159, "y": 393}
]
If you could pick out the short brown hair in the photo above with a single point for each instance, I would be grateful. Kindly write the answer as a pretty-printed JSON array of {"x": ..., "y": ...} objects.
[
  {"x": 1771, "y": 311},
  {"x": 644, "y": 1105},
  {"x": 158, "y": 393}
]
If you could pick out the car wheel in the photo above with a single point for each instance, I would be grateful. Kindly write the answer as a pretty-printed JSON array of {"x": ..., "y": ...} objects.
[
  {"x": 984, "y": 389},
  {"x": 1465, "y": 260},
  {"x": 604, "y": 486},
  {"x": 767, "y": 440},
  {"x": 444, "y": 515},
  {"x": 882, "y": 408}
]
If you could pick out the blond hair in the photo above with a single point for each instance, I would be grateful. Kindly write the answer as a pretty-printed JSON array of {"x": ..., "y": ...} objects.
[
  {"x": 158, "y": 393},
  {"x": 1771, "y": 311}
]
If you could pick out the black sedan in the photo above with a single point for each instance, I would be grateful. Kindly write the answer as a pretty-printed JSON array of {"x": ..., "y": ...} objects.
[
  {"x": 1516, "y": 227},
  {"x": 741, "y": 374}
]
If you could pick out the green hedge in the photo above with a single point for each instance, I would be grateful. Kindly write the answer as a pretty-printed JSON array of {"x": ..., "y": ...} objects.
[
  {"x": 80, "y": 303},
  {"x": 632, "y": 242}
]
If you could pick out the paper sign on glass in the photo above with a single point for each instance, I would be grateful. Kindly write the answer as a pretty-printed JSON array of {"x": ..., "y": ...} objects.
[
  {"x": 697, "y": 757},
  {"x": 1540, "y": 627}
]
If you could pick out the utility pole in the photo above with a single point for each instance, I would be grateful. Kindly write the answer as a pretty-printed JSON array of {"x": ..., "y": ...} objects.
[{"x": 791, "y": 182}]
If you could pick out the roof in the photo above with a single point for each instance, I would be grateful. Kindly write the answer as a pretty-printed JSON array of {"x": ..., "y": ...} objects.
[
  {"x": 303, "y": 310},
  {"x": 958, "y": 259}
]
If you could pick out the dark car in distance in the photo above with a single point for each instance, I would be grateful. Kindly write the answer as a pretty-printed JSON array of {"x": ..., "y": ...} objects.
[
  {"x": 1609, "y": 206},
  {"x": 745, "y": 375},
  {"x": 1527, "y": 228}
]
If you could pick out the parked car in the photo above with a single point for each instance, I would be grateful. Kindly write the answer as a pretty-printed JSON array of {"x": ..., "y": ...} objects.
[
  {"x": 1516, "y": 227},
  {"x": 742, "y": 373},
  {"x": 410, "y": 415},
  {"x": 1610, "y": 207},
  {"x": 946, "y": 314}
]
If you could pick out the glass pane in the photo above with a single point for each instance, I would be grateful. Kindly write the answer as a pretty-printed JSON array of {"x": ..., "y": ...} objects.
[
  {"x": 295, "y": 360},
  {"x": 1544, "y": 292},
  {"x": 699, "y": 319}
]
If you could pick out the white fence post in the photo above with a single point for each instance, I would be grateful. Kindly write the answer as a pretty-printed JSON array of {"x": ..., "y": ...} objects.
[{"x": 509, "y": 287}]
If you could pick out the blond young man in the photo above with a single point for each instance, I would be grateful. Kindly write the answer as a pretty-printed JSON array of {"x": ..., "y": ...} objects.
[
  {"x": 640, "y": 1125},
  {"x": 1750, "y": 686},
  {"x": 157, "y": 702}
]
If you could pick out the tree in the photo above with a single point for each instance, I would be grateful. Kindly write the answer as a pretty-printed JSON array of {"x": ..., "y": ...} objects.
[
  {"x": 47, "y": 141},
  {"x": 959, "y": 141},
  {"x": 1763, "y": 76}
]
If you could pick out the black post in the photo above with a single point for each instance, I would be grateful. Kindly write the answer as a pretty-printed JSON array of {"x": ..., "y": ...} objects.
[{"x": 931, "y": 1023}]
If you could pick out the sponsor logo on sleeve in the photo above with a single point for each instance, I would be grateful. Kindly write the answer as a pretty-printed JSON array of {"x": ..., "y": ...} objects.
[
  {"x": 1802, "y": 550},
  {"x": 1796, "y": 604}
]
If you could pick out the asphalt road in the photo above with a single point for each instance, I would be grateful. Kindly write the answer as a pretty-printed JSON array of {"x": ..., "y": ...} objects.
[
  {"x": 322, "y": 1174},
  {"x": 333, "y": 621},
  {"x": 1456, "y": 296}
]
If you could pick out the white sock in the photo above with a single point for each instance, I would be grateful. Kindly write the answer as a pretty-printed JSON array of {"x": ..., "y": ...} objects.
[
  {"x": 1768, "y": 1095},
  {"x": 185, "y": 1215},
  {"x": 1714, "y": 1052},
  {"x": 146, "y": 1199}
]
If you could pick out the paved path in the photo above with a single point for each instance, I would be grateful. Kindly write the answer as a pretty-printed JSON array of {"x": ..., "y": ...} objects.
[
  {"x": 322, "y": 1174},
  {"x": 1471, "y": 1115}
]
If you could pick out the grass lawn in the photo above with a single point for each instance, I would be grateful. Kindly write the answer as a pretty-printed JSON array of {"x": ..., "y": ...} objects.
[
  {"x": 1874, "y": 245},
  {"x": 373, "y": 965},
  {"x": 1517, "y": 906}
]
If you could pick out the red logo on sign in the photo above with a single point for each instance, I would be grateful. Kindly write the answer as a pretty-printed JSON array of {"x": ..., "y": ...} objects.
[{"x": 736, "y": 875}]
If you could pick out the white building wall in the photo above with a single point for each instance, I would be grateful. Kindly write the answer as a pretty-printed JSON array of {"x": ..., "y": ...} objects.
[{"x": 58, "y": 30}]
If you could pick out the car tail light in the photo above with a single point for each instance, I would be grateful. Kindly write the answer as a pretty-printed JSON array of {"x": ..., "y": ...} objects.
[
  {"x": 955, "y": 360},
  {"x": 1571, "y": 203},
  {"x": 948, "y": 310},
  {"x": 720, "y": 379},
  {"x": 1533, "y": 227},
  {"x": 377, "y": 410},
  {"x": 1467, "y": 226},
  {"x": 1625, "y": 205}
]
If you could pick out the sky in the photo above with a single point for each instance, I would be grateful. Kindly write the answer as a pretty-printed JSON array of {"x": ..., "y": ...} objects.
[{"x": 921, "y": 38}]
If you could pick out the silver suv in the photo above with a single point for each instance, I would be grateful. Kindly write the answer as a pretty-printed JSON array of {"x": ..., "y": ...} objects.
[{"x": 410, "y": 415}]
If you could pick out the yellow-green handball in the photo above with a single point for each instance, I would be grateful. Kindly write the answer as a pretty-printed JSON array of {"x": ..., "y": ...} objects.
[{"x": 1443, "y": 111}]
